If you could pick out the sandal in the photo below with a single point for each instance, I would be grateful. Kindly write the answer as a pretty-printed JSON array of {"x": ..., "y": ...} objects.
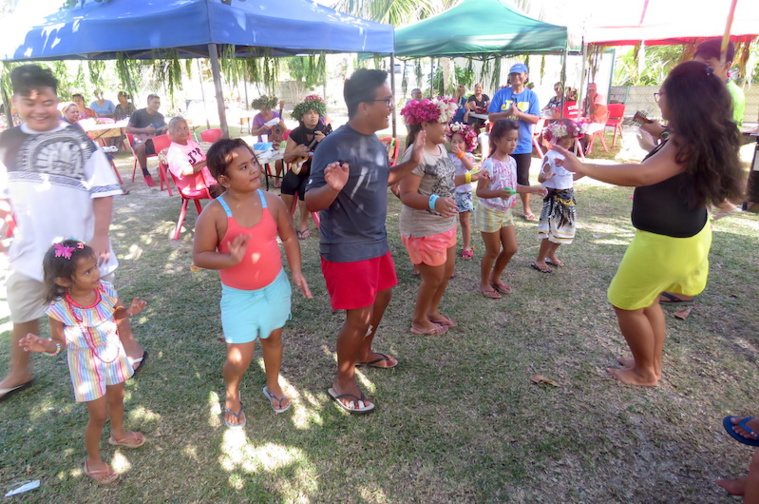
[
  {"x": 490, "y": 294},
  {"x": 501, "y": 287},
  {"x": 437, "y": 330},
  {"x": 542, "y": 270},
  {"x": 383, "y": 358},
  {"x": 131, "y": 440},
  {"x": 101, "y": 476},
  {"x": 445, "y": 321},
  {"x": 278, "y": 408},
  {"x": 357, "y": 404},
  {"x": 240, "y": 423},
  {"x": 466, "y": 254},
  {"x": 529, "y": 217},
  {"x": 303, "y": 234}
]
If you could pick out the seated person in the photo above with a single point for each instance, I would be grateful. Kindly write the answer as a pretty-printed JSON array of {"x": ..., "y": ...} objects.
[
  {"x": 186, "y": 159},
  {"x": 84, "y": 112},
  {"x": 478, "y": 103},
  {"x": 274, "y": 134},
  {"x": 301, "y": 143},
  {"x": 595, "y": 109},
  {"x": 144, "y": 124},
  {"x": 70, "y": 114},
  {"x": 462, "y": 112},
  {"x": 101, "y": 106},
  {"x": 553, "y": 109}
]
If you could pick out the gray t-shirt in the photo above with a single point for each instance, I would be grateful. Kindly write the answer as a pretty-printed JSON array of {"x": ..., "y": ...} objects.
[
  {"x": 353, "y": 226},
  {"x": 437, "y": 173}
]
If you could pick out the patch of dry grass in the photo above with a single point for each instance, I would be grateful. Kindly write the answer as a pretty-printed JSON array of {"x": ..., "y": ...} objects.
[{"x": 457, "y": 421}]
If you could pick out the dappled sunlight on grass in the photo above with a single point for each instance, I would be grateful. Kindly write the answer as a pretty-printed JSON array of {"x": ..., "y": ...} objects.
[
  {"x": 134, "y": 253},
  {"x": 191, "y": 451},
  {"x": 303, "y": 416},
  {"x": 143, "y": 414},
  {"x": 214, "y": 410},
  {"x": 238, "y": 455},
  {"x": 120, "y": 463}
]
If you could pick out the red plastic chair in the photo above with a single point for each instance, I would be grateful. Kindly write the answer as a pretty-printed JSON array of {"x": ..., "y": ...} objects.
[
  {"x": 570, "y": 110},
  {"x": 210, "y": 135},
  {"x": 393, "y": 147},
  {"x": 188, "y": 193},
  {"x": 616, "y": 115},
  {"x": 162, "y": 141},
  {"x": 601, "y": 136}
]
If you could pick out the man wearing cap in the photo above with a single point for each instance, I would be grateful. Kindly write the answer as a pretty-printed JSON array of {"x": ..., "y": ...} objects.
[{"x": 520, "y": 104}]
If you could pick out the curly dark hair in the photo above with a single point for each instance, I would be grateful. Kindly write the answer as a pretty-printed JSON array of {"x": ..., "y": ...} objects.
[
  {"x": 56, "y": 265},
  {"x": 220, "y": 155},
  {"x": 500, "y": 127},
  {"x": 700, "y": 113}
]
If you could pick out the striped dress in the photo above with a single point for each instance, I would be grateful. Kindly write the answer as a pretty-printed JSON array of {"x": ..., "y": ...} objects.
[{"x": 96, "y": 356}]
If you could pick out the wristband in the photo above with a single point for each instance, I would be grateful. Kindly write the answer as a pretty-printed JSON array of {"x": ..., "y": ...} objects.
[
  {"x": 433, "y": 200},
  {"x": 460, "y": 155},
  {"x": 468, "y": 178},
  {"x": 57, "y": 350}
]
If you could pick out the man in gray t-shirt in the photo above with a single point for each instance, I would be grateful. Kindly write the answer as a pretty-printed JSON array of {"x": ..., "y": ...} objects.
[{"x": 350, "y": 174}]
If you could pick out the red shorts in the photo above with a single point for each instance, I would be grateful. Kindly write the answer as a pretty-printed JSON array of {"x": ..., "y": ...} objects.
[{"x": 356, "y": 284}]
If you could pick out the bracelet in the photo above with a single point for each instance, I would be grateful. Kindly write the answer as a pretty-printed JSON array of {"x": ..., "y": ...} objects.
[
  {"x": 468, "y": 178},
  {"x": 433, "y": 200},
  {"x": 57, "y": 350},
  {"x": 460, "y": 155}
]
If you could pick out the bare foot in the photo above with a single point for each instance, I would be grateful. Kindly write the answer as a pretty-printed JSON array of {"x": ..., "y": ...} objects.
[
  {"x": 733, "y": 486},
  {"x": 629, "y": 363},
  {"x": 555, "y": 261},
  {"x": 632, "y": 377}
]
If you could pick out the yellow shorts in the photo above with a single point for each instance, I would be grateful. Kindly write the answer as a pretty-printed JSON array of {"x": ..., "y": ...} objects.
[
  {"x": 491, "y": 221},
  {"x": 656, "y": 263}
]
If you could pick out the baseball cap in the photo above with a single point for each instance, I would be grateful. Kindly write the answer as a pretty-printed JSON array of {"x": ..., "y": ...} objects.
[{"x": 518, "y": 68}]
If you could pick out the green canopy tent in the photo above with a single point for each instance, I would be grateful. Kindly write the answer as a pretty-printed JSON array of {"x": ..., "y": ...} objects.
[{"x": 480, "y": 29}]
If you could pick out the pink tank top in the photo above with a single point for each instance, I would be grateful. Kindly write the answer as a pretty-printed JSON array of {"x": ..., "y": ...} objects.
[{"x": 263, "y": 261}]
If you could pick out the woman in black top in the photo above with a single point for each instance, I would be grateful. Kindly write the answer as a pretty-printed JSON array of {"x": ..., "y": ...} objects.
[
  {"x": 301, "y": 145},
  {"x": 478, "y": 103},
  {"x": 698, "y": 165}
]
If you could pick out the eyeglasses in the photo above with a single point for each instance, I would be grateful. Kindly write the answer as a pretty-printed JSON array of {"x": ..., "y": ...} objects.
[
  {"x": 389, "y": 102},
  {"x": 657, "y": 96}
]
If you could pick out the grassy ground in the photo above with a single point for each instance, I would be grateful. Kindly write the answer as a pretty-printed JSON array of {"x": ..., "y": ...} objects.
[{"x": 458, "y": 421}]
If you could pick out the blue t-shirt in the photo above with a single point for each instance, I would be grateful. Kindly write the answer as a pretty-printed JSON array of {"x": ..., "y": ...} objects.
[
  {"x": 352, "y": 228},
  {"x": 527, "y": 101},
  {"x": 107, "y": 108}
]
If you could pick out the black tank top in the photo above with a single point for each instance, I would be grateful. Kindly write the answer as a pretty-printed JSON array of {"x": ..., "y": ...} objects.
[{"x": 664, "y": 208}]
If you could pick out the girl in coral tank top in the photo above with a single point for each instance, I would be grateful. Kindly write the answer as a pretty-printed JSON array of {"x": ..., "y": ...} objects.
[{"x": 237, "y": 235}]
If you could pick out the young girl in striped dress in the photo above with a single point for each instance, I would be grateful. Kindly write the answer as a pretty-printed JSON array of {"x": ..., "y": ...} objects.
[{"x": 83, "y": 312}]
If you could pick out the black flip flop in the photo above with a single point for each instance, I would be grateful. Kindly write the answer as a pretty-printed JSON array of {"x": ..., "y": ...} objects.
[
  {"x": 17, "y": 389},
  {"x": 672, "y": 299},
  {"x": 537, "y": 268},
  {"x": 143, "y": 360}
]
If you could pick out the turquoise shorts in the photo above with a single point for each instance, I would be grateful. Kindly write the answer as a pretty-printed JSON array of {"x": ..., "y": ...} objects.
[{"x": 247, "y": 315}]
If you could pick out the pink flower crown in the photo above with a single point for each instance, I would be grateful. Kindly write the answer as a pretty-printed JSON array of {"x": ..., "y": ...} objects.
[
  {"x": 467, "y": 133},
  {"x": 563, "y": 128},
  {"x": 439, "y": 109}
]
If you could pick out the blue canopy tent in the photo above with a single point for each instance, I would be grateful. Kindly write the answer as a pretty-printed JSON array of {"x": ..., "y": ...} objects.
[{"x": 44, "y": 30}]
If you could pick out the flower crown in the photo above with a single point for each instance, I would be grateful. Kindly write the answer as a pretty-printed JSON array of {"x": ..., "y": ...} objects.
[
  {"x": 264, "y": 102},
  {"x": 563, "y": 128},
  {"x": 440, "y": 110},
  {"x": 466, "y": 132},
  {"x": 310, "y": 102}
]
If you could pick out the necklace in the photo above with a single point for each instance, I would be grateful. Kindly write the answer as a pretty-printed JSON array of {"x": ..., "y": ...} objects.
[{"x": 73, "y": 306}]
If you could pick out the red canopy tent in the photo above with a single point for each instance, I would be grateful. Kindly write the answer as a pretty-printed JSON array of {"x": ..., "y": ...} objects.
[{"x": 658, "y": 22}]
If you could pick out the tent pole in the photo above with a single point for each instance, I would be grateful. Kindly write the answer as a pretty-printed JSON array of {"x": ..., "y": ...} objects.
[
  {"x": 392, "y": 88},
  {"x": 726, "y": 37},
  {"x": 216, "y": 71},
  {"x": 203, "y": 94},
  {"x": 564, "y": 56},
  {"x": 581, "y": 91}
]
